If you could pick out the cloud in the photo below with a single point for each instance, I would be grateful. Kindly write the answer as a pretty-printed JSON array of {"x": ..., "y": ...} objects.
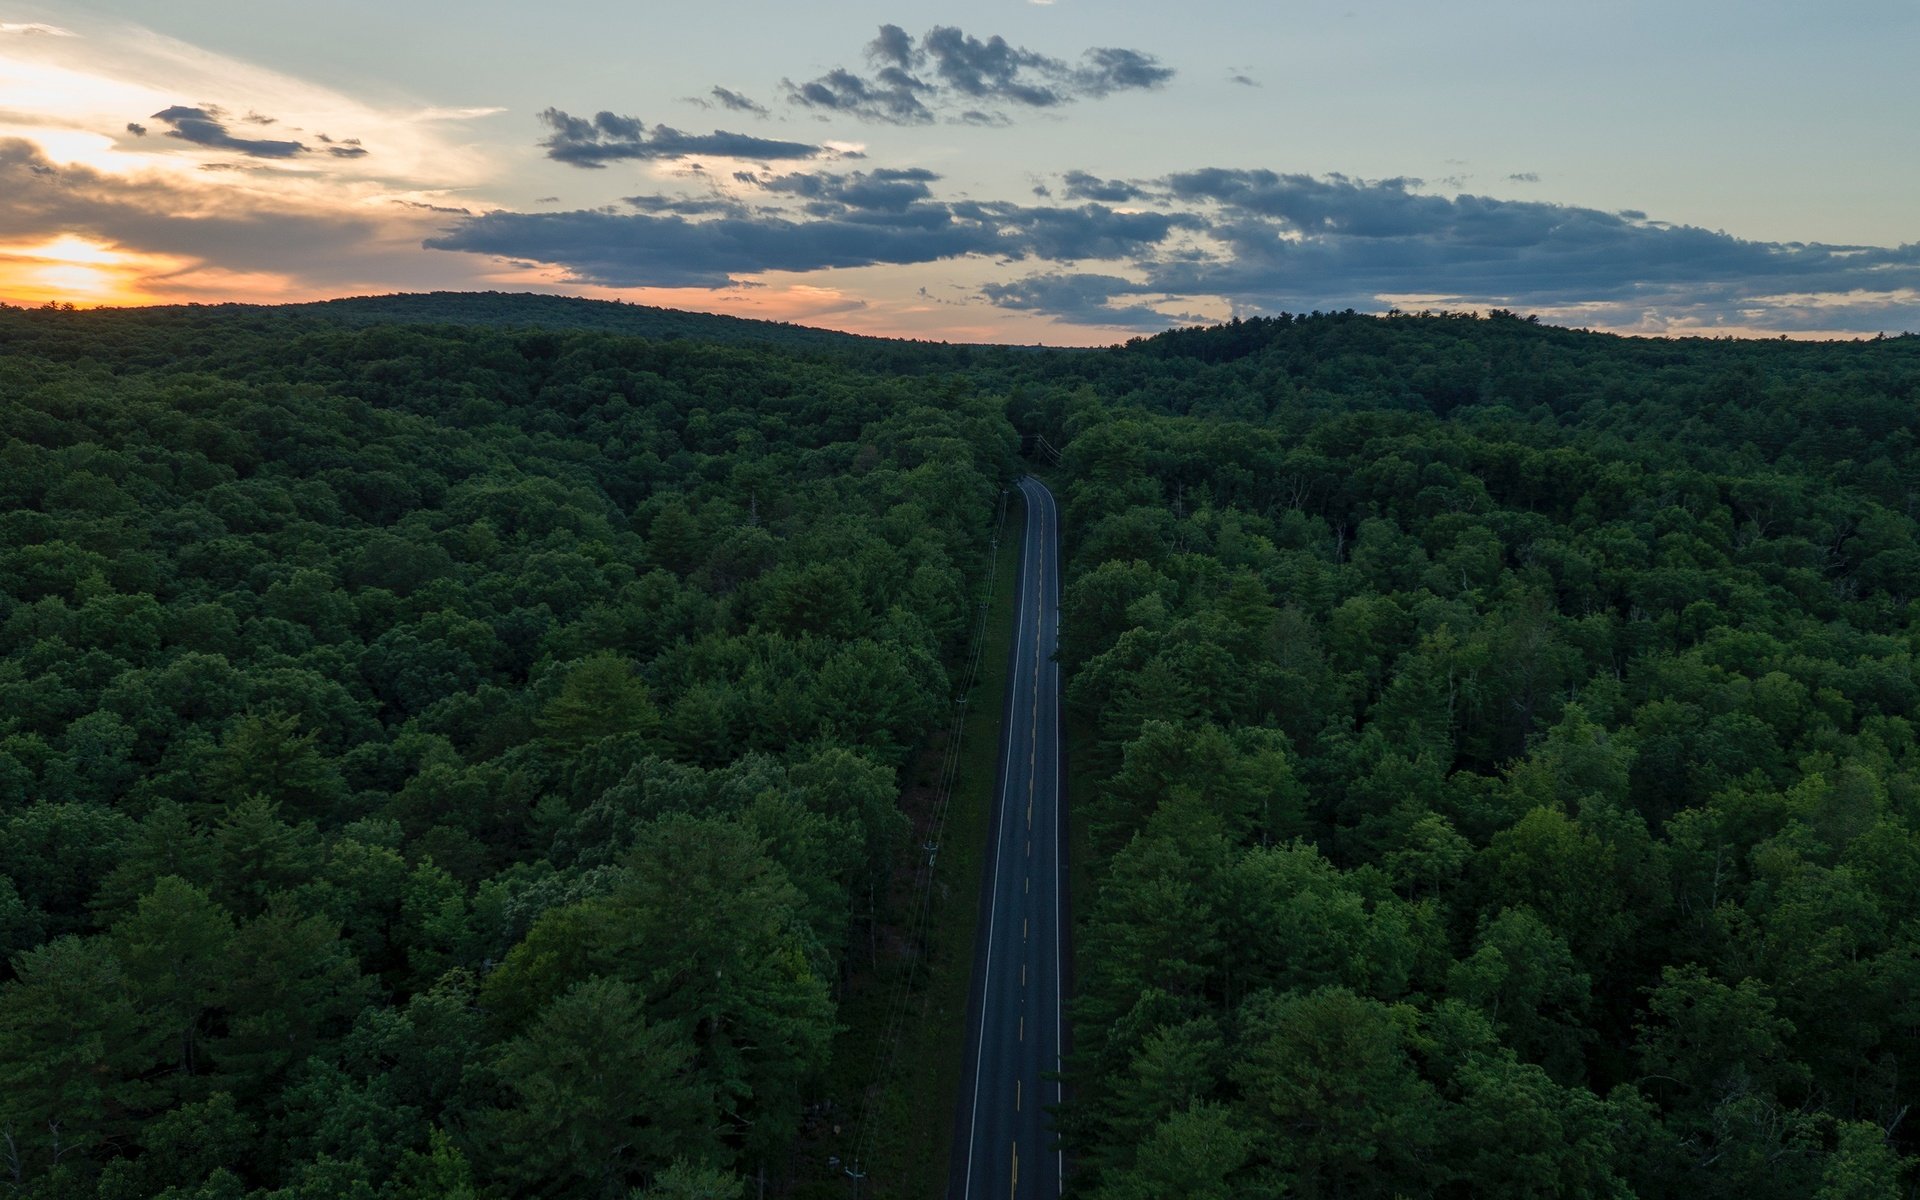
[
  {"x": 121, "y": 71},
  {"x": 34, "y": 29},
  {"x": 608, "y": 137},
  {"x": 1081, "y": 186},
  {"x": 275, "y": 225},
  {"x": 1244, "y": 80},
  {"x": 992, "y": 69},
  {"x": 1277, "y": 242},
  {"x": 1110, "y": 69},
  {"x": 206, "y": 126},
  {"x": 452, "y": 210},
  {"x": 892, "y": 97},
  {"x": 1524, "y": 177},
  {"x": 733, "y": 101},
  {"x": 1084, "y": 299},
  {"x": 662, "y": 247},
  {"x": 200, "y": 227},
  {"x": 882, "y": 190},
  {"x": 950, "y": 71},
  {"x": 689, "y": 206},
  {"x": 457, "y": 114}
]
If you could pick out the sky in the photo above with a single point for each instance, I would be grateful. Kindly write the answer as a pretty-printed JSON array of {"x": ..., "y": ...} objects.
[{"x": 1068, "y": 172}]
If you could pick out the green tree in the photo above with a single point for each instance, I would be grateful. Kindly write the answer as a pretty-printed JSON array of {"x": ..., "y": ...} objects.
[
  {"x": 684, "y": 1181},
  {"x": 73, "y": 1052},
  {"x": 1332, "y": 1087},
  {"x": 602, "y": 696},
  {"x": 266, "y": 755},
  {"x": 602, "y": 1097},
  {"x": 292, "y": 987},
  {"x": 174, "y": 950}
]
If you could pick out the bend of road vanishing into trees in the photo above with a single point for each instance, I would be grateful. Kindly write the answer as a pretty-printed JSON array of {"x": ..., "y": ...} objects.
[{"x": 1004, "y": 1139}]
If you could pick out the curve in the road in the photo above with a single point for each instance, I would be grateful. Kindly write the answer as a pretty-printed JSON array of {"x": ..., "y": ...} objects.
[{"x": 1004, "y": 1137}]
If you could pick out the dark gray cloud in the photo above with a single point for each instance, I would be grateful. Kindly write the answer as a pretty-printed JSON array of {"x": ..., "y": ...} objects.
[
  {"x": 1524, "y": 177},
  {"x": 688, "y": 206},
  {"x": 136, "y": 129},
  {"x": 206, "y": 126},
  {"x": 892, "y": 47},
  {"x": 1084, "y": 299},
  {"x": 1295, "y": 242},
  {"x": 663, "y": 248},
  {"x": 993, "y": 69},
  {"x": 654, "y": 250},
  {"x": 1251, "y": 240},
  {"x": 729, "y": 99},
  {"x": 609, "y": 137},
  {"x": 1244, "y": 80},
  {"x": 892, "y": 97},
  {"x": 1091, "y": 231},
  {"x": 950, "y": 71},
  {"x": 1110, "y": 69},
  {"x": 1079, "y": 185},
  {"x": 880, "y": 190}
]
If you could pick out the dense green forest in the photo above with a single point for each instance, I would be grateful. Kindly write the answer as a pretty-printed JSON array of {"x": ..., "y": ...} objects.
[
  {"x": 464, "y": 759},
  {"x": 441, "y": 761},
  {"x": 1498, "y": 749}
]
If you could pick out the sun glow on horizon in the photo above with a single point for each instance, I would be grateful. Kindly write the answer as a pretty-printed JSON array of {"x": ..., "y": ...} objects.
[{"x": 70, "y": 269}]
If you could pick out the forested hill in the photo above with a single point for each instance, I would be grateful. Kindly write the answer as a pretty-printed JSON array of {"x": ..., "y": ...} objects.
[
  {"x": 446, "y": 750},
  {"x": 527, "y": 310},
  {"x": 436, "y": 759},
  {"x": 1497, "y": 748},
  {"x": 1284, "y": 368}
]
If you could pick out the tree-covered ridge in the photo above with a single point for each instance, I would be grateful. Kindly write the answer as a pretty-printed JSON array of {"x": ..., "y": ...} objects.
[
  {"x": 439, "y": 762},
  {"x": 526, "y": 310},
  {"x": 529, "y": 310},
  {"x": 1504, "y": 764}
]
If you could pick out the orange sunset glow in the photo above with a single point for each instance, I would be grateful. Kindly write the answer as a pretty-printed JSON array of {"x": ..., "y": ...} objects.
[{"x": 69, "y": 269}]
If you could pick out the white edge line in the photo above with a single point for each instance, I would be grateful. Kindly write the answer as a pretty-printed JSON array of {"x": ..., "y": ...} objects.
[
  {"x": 1059, "y": 1042},
  {"x": 993, "y": 906}
]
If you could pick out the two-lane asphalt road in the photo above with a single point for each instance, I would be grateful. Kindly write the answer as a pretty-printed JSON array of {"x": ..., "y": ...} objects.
[{"x": 1004, "y": 1139}]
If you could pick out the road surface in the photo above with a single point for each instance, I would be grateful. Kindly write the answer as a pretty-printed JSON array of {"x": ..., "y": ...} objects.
[{"x": 1004, "y": 1140}]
